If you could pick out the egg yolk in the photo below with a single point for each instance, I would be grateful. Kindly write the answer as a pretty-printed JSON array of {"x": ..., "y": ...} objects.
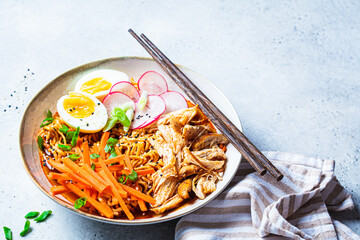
[
  {"x": 78, "y": 105},
  {"x": 95, "y": 85}
]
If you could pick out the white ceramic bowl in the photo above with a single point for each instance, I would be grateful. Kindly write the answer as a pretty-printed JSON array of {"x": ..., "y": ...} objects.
[{"x": 134, "y": 67}]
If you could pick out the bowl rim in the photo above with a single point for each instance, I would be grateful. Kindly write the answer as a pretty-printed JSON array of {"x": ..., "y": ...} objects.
[{"x": 143, "y": 221}]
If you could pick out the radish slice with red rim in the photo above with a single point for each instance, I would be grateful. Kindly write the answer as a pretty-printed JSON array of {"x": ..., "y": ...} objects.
[
  {"x": 117, "y": 99},
  {"x": 152, "y": 82},
  {"x": 174, "y": 101},
  {"x": 126, "y": 88},
  {"x": 152, "y": 111}
]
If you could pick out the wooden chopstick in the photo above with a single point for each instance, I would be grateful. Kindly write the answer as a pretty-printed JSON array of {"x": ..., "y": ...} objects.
[{"x": 257, "y": 160}]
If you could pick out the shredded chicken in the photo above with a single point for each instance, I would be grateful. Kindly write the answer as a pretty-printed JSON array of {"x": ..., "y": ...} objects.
[{"x": 185, "y": 170}]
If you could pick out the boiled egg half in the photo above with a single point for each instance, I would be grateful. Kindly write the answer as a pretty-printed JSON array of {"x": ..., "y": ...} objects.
[
  {"x": 98, "y": 83},
  {"x": 82, "y": 110}
]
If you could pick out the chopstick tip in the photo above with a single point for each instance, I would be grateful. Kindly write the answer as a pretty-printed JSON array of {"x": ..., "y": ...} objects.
[{"x": 280, "y": 177}]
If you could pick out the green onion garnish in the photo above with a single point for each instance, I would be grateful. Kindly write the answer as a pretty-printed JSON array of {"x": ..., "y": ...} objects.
[
  {"x": 49, "y": 114},
  {"x": 40, "y": 142},
  {"x": 123, "y": 178},
  {"x": 74, "y": 157},
  {"x": 32, "y": 215},
  {"x": 8, "y": 233},
  {"x": 113, "y": 153},
  {"x": 93, "y": 166},
  {"x": 64, "y": 129},
  {"x": 80, "y": 202},
  {"x": 69, "y": 135},
  {"x": 112, "y": 141},
  {"x": 75, "y": 137},
  {"x": 64, "y": 147},
  {"x": 143, "y": 100},
  {"x": 26, "y": 228},
  {"x": 121, "y": 116},
  {"x": 46, "y": 122},
  {"x": 133, "y": 176},
  {"x": 110, "y": 124},
  {"x": 94, "y": 156},
  {"x": 43, "y": 216}
]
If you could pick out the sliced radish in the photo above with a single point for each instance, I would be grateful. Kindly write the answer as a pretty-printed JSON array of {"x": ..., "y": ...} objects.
[
  {"x": 117, "y": 99},
  {"x": 152, "y": 82},
  {"x": 174, "y": 101},
  {"x": 126, "y": 88},
  {"x": 152, "y": 111}
]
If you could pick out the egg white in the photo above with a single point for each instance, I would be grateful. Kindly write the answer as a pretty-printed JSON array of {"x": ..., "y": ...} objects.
[
  {"x": 91, "y": 124},
  {"x": 112, "y": 76}
]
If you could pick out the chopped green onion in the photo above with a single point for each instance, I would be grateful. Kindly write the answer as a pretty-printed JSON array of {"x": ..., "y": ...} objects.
[
  {"x": 64, "y": 147},
  {"x": 127, "y": 106},
  {"x": 80, "y": 202},
  {"x": 40, "y": 142},
  {"x": 110, "y": 124},
  {"x": 113, "y": 153},
  {"x": 43, "y": 216},
  {"x": 107, "y": 148},
  {"x": 69, "y": 135},
  {"x": 64, "y": 129},
  {"x": 49, "y": 114},
  {"x": 74, "y": 157},
  {"x": 112, "y": 141},
  {"x": 93, "y": 166},
  {"x": 121, "y": 116},
  {"x": 130, "y": 115},
  {"x": 8, "y": 233},
  {"x": 143, "y": 100},
  {"x": 26, "y": 228},
  {"x": 94, "y": 156},
  {"x": 32, "y": 215},
  {"x": 133, "y": 176},
  {"x": 75, "y": 137},
  {"x": 46, "y": 122},
  {"x": 123, "y": 178}
]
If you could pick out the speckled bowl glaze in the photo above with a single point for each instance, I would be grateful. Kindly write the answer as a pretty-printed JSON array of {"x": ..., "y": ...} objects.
[{"x": 134, "y": 67}]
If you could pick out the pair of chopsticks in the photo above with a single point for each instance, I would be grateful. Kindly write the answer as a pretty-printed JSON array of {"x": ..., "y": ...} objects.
[{"x": 248, "y": 150}]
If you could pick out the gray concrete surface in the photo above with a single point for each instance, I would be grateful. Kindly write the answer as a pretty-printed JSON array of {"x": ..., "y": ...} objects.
[{"x": 290, "y": 68}]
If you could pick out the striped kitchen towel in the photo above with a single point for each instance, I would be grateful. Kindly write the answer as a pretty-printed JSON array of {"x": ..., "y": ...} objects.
[{"x": 254, "y": 207}]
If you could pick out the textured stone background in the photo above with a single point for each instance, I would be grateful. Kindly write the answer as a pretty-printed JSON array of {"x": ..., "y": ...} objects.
[{"x": 291, "y": 70}]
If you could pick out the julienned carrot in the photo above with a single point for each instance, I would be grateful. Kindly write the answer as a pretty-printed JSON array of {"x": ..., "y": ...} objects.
[
  {"x": 121, "y": 201},
  {"x": 59, "y": 176},
  {"x": 87, "y": 191},
  {"x": 103, "y": 209},
  {"x": 128, "y": 163},
  {"x": 59, "y": 166},
  {"x": 142, "y": 205},
  {"x": 145, "y": 171},
  {"x": 86, "y": 153},
  {"x": 111, "y": 177},
  {"x": 103, "y": 141},
  {"x": 55, "y": 190},
  {"x": 94, "y": 174},
  {"x": 78, "y": 170},
  {"x": 75, "y": 177},
  {"x": 93, "y": 194},
  {"x": 138, "y": 194},
  {"x": 115, "y": 168},
  {"x": 117, "y": 159}
]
